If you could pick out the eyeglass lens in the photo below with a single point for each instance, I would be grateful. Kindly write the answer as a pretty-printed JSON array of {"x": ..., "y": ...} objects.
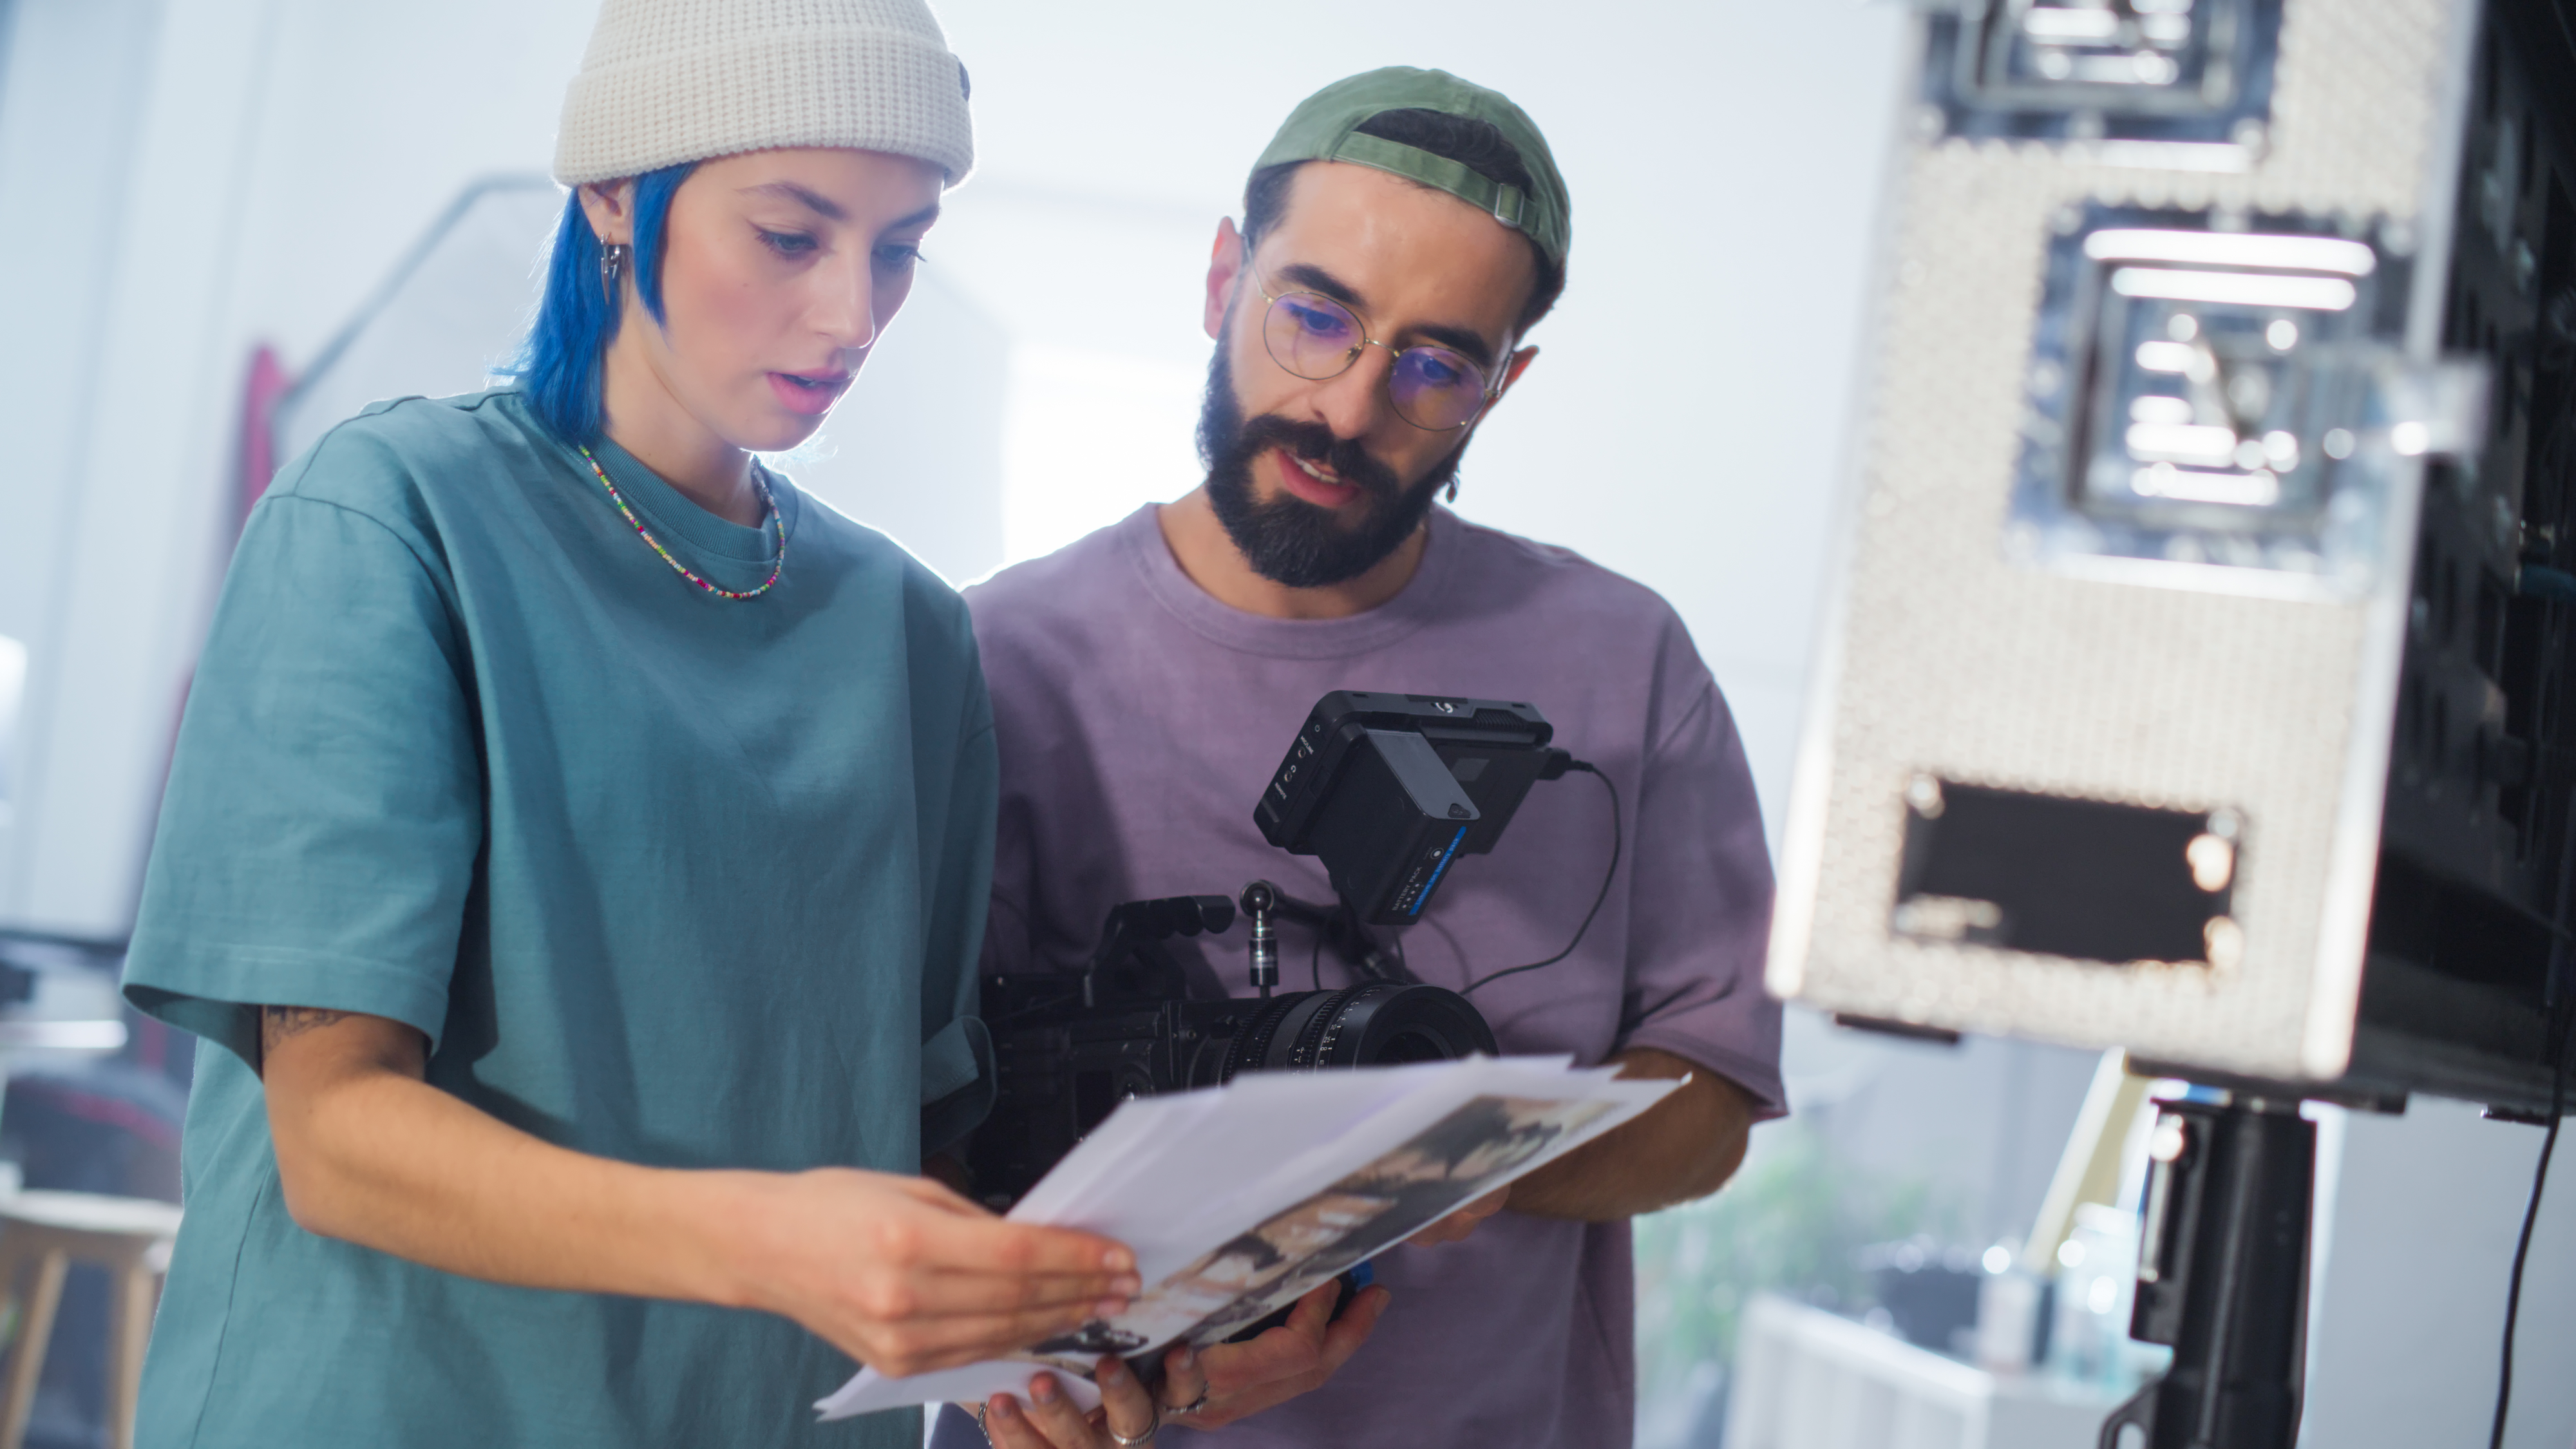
[{"x": 1317, "y": 338}]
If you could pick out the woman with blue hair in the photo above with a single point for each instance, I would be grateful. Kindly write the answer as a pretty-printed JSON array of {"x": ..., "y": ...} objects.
[{"x": 578, "y": 839}]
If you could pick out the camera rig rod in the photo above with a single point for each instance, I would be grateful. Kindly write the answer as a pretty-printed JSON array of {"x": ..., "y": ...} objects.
[
  {"x": 1259, "y": 900},
  {"x": 2223, "y": 1276}
]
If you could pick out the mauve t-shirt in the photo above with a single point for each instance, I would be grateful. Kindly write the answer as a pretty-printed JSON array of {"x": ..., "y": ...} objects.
[{"x": 1139, "y": 720}]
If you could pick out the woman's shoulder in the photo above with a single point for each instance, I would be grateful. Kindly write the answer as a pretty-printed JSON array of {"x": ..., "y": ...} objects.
[
  {"x": 389, "y": 460},
  {"x": 929, "y": 600}
]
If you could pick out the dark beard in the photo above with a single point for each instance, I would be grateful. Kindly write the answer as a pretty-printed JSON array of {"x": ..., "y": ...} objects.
[{"x": 1288, "y": 540}]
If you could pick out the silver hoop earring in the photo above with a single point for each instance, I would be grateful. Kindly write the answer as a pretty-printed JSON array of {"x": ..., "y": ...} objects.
[{"x": 612, "y": 270}]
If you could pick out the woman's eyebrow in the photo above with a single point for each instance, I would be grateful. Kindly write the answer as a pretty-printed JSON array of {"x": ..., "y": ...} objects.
[
  {"x": 825, "y": 206},
  {"x": 813, "y": 201}
]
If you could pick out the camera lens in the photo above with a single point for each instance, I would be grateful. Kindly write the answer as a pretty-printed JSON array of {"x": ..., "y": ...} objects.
[{"x": 1380, "y": 1024}]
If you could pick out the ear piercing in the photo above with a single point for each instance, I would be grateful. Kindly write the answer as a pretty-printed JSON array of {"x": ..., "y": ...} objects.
[{"x": 612, "y": 270}]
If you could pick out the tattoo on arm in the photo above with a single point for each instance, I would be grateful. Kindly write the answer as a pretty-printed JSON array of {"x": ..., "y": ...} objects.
[
  {"x": 404, "y": 1051},
  {"x": 277, "y": 1023}
]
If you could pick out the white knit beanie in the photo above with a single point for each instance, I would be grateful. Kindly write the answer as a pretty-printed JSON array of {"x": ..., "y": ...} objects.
[{"x": 667, "y": 81}]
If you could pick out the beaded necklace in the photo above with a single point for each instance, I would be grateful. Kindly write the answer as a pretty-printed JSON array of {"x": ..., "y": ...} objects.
[{"x": 682, "y": 569}]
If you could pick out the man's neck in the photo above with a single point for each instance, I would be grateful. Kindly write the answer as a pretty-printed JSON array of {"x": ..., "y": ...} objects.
[{"x": 1206, "y": 552}]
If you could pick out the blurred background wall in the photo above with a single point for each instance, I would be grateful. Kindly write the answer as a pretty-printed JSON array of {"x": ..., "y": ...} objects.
[
  {"x": 183, "y": 182},
  {"x": 188, "y": 187}
]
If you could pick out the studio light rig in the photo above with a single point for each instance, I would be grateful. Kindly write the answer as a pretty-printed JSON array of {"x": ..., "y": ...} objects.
[{"x": 2199, "y": 674}]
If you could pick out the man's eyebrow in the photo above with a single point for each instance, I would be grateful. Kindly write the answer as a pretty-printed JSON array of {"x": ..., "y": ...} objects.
[
  {"x": 1310, "y": 278},
  {"x": 1460, "y": 339}
]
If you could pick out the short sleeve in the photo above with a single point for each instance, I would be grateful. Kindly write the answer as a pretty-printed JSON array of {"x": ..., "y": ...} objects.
[
  {"x": 1008, "y": 949},
  {"x": 958, "y": 1078},
  {"x": 1700, "y": 913},
  {"x": 318, "y": 835}
]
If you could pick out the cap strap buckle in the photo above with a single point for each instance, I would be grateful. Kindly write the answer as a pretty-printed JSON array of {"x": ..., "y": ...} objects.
[{"x": 1508, "y": 204}]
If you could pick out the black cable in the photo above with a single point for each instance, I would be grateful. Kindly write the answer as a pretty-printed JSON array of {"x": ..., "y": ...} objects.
[
  {"x": 2530, "y": 1216},
  {"x": 2560, "y": 317},
  {"x": 1606, "y": 877}
]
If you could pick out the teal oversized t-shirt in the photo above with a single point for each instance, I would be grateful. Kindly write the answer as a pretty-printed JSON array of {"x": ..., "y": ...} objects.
[{"x": 664, "y": 877}]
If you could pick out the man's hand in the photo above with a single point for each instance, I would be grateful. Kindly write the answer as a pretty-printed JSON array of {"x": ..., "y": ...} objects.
[
  {"x": 1283, "y": 1362},
  {"x": 1685, "y": 1146},
  {"x": 1456, "y": 1226},
  {"x": 1047, "y": 1418},
  {"x": 1201, "y": 1388}
]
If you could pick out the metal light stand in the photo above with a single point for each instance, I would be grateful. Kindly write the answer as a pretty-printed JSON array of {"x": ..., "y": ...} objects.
[{"x": 2223, "y": 1276}]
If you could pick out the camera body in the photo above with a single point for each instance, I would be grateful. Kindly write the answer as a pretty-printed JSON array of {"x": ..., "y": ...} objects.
[
  {"x": 1069, "y": 1048},
  {"x": 1388, "y": 790}
]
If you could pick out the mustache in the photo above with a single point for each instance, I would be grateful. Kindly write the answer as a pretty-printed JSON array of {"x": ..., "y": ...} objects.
[{"x": 1316, "y": 444}]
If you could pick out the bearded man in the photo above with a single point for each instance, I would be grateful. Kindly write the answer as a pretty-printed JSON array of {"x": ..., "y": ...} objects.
[{"x": 1400, "y": 237}]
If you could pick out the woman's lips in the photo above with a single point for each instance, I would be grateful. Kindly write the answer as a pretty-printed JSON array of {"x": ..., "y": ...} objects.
[
  {"x": 1301, "y": 479},
  {"x": 809, "y": 393}
]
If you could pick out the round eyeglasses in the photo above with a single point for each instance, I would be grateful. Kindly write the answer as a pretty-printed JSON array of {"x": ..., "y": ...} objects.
[{"x": 1438, "y": 389}]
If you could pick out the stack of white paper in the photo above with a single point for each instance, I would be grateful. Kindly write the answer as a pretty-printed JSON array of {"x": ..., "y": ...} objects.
[{"x": 1239, "y": 1199}]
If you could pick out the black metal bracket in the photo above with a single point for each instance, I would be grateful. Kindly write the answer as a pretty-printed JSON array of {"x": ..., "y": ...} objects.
[
  {"x": 1130, "y": 961},
  {"x": 2223, "y": 1276}
]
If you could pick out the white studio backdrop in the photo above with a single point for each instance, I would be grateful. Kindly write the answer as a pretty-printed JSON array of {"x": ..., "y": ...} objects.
[{"x": 184, "y": 181}]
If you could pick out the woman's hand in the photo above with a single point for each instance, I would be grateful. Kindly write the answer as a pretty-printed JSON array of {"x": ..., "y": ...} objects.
[
  {"x": 906, "y": 1276},
  {"x": 898, "y": 1272}
]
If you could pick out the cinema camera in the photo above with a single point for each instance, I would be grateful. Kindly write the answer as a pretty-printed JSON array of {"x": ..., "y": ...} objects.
[
  {"x": 2196, "y": 673},
  {"x": 1389, "y": 790}
]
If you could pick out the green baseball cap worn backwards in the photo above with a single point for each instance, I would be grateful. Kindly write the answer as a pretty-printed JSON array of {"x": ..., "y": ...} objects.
[{"x": 1325, "y": 127}]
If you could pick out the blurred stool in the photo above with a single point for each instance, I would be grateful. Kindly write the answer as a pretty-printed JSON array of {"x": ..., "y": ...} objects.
[{"x": 49, "y": 1231}]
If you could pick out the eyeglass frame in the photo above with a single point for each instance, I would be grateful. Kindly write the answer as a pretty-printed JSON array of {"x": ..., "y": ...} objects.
[{"x": 1486, "y": 394}]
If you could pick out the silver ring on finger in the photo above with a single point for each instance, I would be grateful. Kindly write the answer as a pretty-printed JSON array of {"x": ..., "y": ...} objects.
[
  {"x": 1124, "y": 1441},
  {"x": 1185, "y": 1410}
]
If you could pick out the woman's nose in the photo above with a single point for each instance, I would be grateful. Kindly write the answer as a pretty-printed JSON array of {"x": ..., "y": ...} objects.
[{"x": 847, "y": 314}]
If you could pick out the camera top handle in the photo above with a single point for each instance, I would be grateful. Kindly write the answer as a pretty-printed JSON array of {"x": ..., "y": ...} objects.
[{"x": 1130, "y": 963}]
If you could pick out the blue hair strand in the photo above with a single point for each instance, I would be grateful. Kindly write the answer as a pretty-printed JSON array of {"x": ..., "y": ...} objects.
[{"x": 558, "y": 367}]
